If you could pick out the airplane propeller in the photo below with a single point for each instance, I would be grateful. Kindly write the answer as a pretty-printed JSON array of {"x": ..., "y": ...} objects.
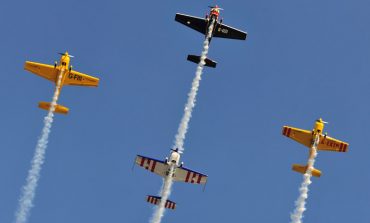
[
  {"x": 63, "y": 54},
  {"x": 322, "y": 121},
  {"x": 215, "y": 7}
]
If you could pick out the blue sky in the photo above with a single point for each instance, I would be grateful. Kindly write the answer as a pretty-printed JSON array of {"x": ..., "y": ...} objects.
[{"x": 302, "y": 60}]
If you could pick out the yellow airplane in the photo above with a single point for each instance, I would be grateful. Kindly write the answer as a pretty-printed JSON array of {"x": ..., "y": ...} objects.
[
  {"x": 307, "y": 138},
  {"x": 68, "y": 77}
]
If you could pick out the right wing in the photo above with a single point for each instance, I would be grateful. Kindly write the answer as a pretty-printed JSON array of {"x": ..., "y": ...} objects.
[
  {"x": 80, "y": 79},
  {"x": 330, "y": 144},
  {"x": 42, "y": 70},
  {"x": 153, "y": 165},
  {"x": 225, "y": 31},
  {"x": 196, "y": 23},
  {"x": 302, "y": 136},
  {"x": 189, "y": 176}
]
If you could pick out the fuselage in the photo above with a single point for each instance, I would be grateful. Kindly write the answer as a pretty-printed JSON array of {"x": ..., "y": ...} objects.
[
  {"x": 316, "y": 132},
  {"x": 173, "y": 162},
  {"x": 63, "y": 67},
  {"x": 174, "y": 158},
  {"x": 213, "y": 16}
]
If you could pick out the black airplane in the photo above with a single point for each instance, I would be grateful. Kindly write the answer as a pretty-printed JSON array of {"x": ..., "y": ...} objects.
[{"x": 202, "y": 25}]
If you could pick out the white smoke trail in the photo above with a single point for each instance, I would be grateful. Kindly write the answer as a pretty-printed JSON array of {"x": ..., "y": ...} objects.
[
  {"x": 29, "y": 190},
  {"x": 183, "y": 127},
  {"x": 300, "y": 203},
  {"x": 165, "y": 194}
]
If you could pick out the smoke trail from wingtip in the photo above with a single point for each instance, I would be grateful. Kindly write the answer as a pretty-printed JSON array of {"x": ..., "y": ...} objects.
[
  {"x": 184, "y": 124},
  {"x": 29, "y": 189},
  {"x": 300, "y": 203},
  {"x": 183, "y": 127}
]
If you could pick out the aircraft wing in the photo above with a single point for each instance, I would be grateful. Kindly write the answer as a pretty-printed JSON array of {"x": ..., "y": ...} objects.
[
  {"x": 225, "y": 31},
  {"x": 80, "y": 79},
  {"x": 302, "y": 136},
  {"x": 196, "y": 23},
  {"x": 153, "y": 165},
  {"x": 189, "y": 176},
  {"x": 43, "y": 70},
  {"x": 330, "y": 144}
]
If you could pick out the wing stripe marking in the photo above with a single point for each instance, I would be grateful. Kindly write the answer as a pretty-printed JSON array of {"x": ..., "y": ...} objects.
[
  {"x": 142, "y": 161},
  {"x": 199, "y": 178},
  {"x": 192, "y": 179},
  {"x": 153, "y": 166},
  {"x": 285, "y": 130},
  {"x": 288, "y": 133},
  {"x": 345, "y": 148},
  {"x": 341, "y": 147},
  {"x": 187, "y": 177},
  {"x": 148, "y": 163}
]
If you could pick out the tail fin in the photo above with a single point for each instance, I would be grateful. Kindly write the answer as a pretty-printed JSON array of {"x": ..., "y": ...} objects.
[
  {"x": 58, "y": 108},
  {"x": 157, "y": 200},
  {"x": 302, "y": 169},
  {"x": 196, "y": 59}
]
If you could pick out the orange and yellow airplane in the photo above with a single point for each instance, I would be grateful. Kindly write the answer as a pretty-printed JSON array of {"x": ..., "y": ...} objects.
[
  {"x": 68, "y": 77},
  {"x": 307, "y": 138}
]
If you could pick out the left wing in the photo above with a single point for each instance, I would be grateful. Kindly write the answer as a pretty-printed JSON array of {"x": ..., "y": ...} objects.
[
  {"x": 330, "y": 144},
  {"x": 189, "y": 176},
  {"x": 300, "y": 135},
  {"x": 225, "y": 31},
  {"x": 196, "y": 23},
  {"x": 76, "y": 78},
  {"x": 153, "y": 165},
  {"x": 43, "y": 70}
]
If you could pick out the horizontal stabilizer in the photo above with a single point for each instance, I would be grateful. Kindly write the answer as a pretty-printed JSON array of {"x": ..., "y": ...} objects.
[
  {"x": 303, "y": 169},
  {"x": 196, "y": 59},
  {"x": 157, "y": 200},
  {"x": 58, "y": 108}
]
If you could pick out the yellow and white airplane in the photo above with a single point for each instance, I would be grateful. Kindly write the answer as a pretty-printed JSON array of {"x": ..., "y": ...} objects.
[
  {"x": 307, "y": 138},
  {"x": 68, "y": 77}
]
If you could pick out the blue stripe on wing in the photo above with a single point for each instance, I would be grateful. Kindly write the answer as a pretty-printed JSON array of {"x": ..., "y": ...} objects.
[
  {"x": 160, "y": 161},
  {"x": 184, "y": 168}
]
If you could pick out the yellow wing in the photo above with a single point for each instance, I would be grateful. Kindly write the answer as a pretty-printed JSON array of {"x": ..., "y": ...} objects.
[
  {"x": 80, "y": 79},
  {"x": 330, "y": 144},
  {"x": 302, "y": 136},
  {"x": 42, "y": 70}
]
